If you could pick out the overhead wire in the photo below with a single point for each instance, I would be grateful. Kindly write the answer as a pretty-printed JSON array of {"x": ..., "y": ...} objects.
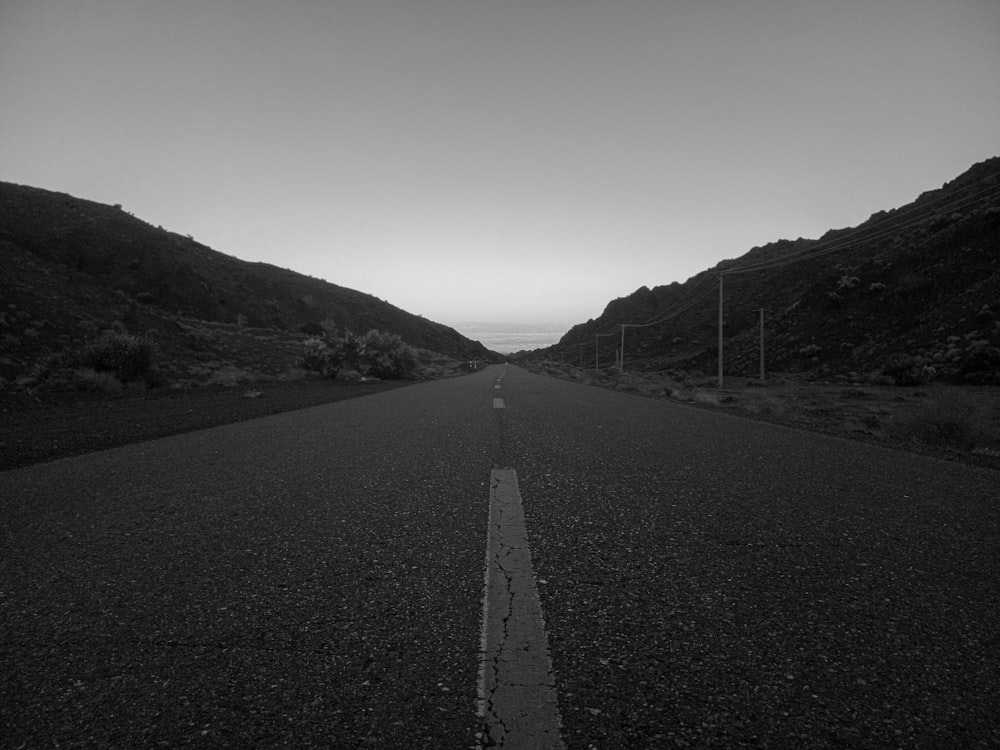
[
  {"x": 862, "y": 234},
  {"x": 827, "y": 248},
  {"x": 890, "y": 225}
]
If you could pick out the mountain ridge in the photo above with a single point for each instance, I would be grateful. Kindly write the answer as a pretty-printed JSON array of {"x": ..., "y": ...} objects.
[
  {"x": 70, "y": 267},
  {"x": 912, "y": 293}
]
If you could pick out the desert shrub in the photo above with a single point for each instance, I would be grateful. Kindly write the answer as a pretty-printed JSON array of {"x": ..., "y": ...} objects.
[
  {"x": 905, "y": 369},
  {"x": 123, "y": 355},
  {"x": 348, "y": 346},
  {"x": 376, "y": 354},
  {"x": 318, "y": 355},
  {"x": 433, "y": 371},
  {"x": 848, "y": 282},
  {"x": 386, "y": 355},
  {"x": 86, "y": 379}
]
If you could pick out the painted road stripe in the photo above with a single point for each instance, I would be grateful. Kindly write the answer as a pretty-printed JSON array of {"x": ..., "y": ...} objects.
[
  {"x": 517, "y": 691},
  {"x": 498, "y": 403}
]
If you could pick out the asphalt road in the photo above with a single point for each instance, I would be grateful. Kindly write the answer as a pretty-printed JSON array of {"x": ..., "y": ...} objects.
[{"x": 315, "y": 579}]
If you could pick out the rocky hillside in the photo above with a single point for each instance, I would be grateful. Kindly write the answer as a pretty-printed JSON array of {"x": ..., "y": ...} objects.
[
  {"x": 911, "y": 295},
  {"x": 70, "y": 268}
]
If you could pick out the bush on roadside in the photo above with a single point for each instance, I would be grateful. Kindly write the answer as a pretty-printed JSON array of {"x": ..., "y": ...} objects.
[
  {"x": 318, "y": 355},
  {"x": 386, "y": 356},
  {"x": 905, "y": 369},
  {"x": 122, "y": 355},
  {"x": 86, "y": 379},
  {"x": 350, "y": 376},
  {"x": 114, "y": 355},
  {"x": 377, "y": 354}
]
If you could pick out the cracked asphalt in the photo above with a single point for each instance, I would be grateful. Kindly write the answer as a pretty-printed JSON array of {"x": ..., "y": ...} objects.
[
  {"x": 518, "y": 701},
  {"x": 711, "y": 581},
  {"x": 315, "y": 579}
]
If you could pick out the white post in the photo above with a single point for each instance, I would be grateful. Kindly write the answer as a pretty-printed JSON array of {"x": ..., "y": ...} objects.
[
  {"x": 762, "y": 344},
  {"x": 621, "y": 359},
  {"x": 720, "y": 330}
]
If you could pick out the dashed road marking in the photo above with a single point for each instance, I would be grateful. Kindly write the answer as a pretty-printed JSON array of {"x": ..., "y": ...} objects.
[
  {"x": 518, "y": 704},
  {"x": 498, "y": 403}
]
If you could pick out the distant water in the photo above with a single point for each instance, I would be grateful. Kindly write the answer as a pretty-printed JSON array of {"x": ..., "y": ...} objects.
[{"x": 511, "y": 338}]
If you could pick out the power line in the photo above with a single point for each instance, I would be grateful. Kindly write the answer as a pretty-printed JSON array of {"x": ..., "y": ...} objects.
[
  {"x": 861, "y": 235},
  {"x": 825, "y": 248},
  {"x": 867, "y": 234}
]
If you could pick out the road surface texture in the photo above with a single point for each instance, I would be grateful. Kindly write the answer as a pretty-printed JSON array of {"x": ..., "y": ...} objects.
[{"x": 316, "y": 579}]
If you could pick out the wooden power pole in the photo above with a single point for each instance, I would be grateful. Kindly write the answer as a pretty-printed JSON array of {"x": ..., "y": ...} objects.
[
  {"x": 762, "y": 344},
  {"x": 720, "y": 330}
]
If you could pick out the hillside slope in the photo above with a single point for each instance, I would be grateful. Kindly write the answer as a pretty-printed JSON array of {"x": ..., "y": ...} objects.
[
  {"x": 912, "y": 294},
  {"x": 71, "y": 267}
]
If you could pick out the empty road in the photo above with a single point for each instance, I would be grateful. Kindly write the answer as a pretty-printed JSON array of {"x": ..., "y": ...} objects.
[{"x": 406, "y": 569}]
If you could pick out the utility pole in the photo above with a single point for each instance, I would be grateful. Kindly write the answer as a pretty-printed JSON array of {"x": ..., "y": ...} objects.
[
  {"x": 762, "y": 344},
  {"x": 720, "y": 330},
  {"x": 621, "y": 355},
  {"x": 597, "y": 352}
]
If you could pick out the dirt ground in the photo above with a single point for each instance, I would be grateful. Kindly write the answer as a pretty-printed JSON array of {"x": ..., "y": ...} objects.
[{"x": 958, "y": 423}]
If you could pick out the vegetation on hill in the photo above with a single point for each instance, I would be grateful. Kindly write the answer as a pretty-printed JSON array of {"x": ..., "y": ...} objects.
[
  {"x": 910, "y": 296},
  {"x": 347, "y": 356},
  {"x": 71, "y": 269}
]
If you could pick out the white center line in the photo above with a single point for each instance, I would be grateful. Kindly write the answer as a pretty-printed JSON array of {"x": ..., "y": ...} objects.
[
  {"x": 517, "y": 691},
  {"x": 498, "y": 403}
]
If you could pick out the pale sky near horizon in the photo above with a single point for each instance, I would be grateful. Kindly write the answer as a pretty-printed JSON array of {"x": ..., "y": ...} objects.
[{"x": 497, "y": 160}]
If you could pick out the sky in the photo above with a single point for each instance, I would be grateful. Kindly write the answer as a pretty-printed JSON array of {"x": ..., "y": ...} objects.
[{"x": 523, "y": 161}]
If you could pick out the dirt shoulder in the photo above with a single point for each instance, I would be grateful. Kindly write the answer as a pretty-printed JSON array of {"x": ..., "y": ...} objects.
[
  {"x": 956, "y": 423},
  {"x": 36, "y": 429},
  {"x": 953, "y": 423}
]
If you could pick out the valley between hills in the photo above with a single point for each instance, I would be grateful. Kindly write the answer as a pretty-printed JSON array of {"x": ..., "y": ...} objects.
[{"x": 889, "y": 331}]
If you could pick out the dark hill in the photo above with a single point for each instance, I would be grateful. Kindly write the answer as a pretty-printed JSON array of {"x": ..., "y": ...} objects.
[
  {"x": 911, "y": 294},
  {"x": 71, "y": 267}
]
